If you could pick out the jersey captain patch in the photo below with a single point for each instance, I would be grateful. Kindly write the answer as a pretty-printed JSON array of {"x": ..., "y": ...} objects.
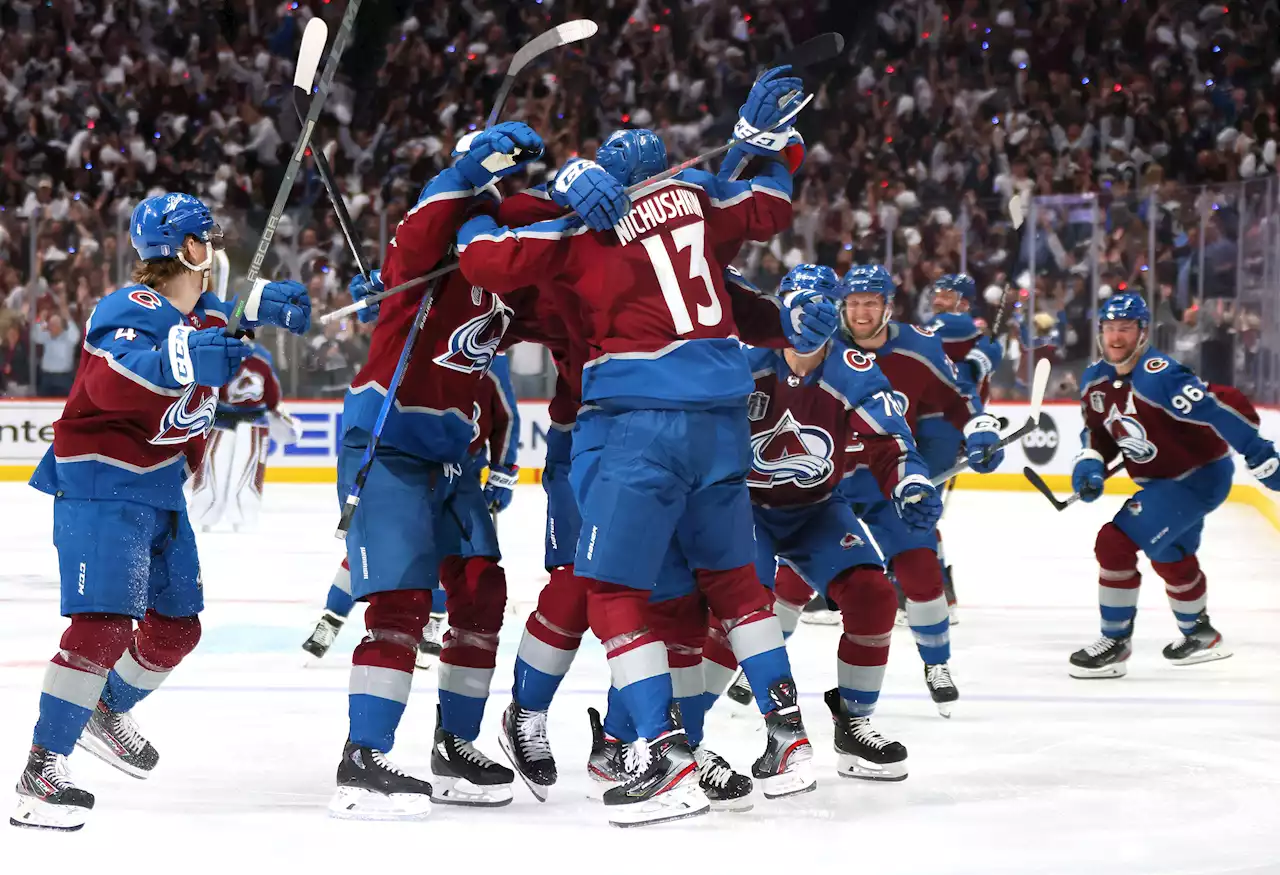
[{"x": 791, "y": 452}]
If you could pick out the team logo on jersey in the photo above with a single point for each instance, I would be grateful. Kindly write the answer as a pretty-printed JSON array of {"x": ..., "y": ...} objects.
[
  {"x": 850, "y": 540},
  {"x": 246, "y": 387},
  {"x": 1130, "y": 435},
  {"x": 858, "y": 360},
  {"x": 475, "y": 421},
  {"x": 927, "y": 332},
  {"x": 757, "y": 406},
  {"x": 145, "y": 298},
  {"x": 184, "y": 419},
  {"x": 791, "y": 452},
  {"x": 900, "y": 401},
  {"x": 474, "y": 343},
  {"x": 1155, "y": 366},
  {"x": 1098, "y": 402}
]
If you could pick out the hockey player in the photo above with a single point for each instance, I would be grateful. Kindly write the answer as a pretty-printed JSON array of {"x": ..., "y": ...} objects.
[
  {"x": 412, "y": 509},
  {"x": 660, "y": 438},
  {"x": 133, "y": 428},
  {"x": 924, "y": 385},
  {"x": 228, "y": 485},
  {"x": 1176, "y": 435}
]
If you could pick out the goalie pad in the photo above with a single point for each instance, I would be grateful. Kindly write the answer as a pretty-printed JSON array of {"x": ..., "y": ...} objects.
[{"x": 227, "y": 490}]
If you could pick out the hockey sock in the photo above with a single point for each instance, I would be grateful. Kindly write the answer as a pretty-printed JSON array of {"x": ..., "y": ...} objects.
[
  {"x": 617, "y": 720},
  {"x": 920, "y": 577},
  {"x": 791, "y": 594},
  {"x": 718, "y": 663},
  {"x": 1185, "y": 585},
  {"x": 438, "y": 600},
  {"x": 682, "y": 625},
  {"x": 746, "y": 612},
  {"x": 868, "y": 604},
  {"x": 1118, "y": 580},
  {"x": 551, "y": 638},
  {"x": 637, "y": 656},
  {"x": 158, "y": 646},
  {"x": 339, "y": 601},
  {"x": 476, "y": 591},
  {"x": 382, "y": 665},
  {"x": 75, "y": 677}
]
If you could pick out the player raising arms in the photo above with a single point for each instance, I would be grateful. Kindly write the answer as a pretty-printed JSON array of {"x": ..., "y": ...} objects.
[
  {"x": 1176, "y": 435},
  {"x": 133, "y": 429},
  {"x": 667, "y": 384}
]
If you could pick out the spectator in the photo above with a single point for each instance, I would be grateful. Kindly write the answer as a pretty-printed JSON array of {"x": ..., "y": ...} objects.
[
  {"x": 59, "y": 340},
  {"x": 15, "y": 361}
]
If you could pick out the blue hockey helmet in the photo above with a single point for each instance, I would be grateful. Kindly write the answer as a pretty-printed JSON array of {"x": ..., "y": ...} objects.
[
  {"x": 161, "y": 224},
  {"x": 873, "y": 279},
  {"x": 811, "y": 277},
  {"x": 1127, "y": 306},
  {"x": 632, "y": 155},
  {"x": 960, "y": 283}
]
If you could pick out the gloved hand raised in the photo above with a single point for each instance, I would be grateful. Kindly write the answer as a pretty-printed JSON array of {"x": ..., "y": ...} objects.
[
  {"x": 284, "y": 304},
  {"x": 361, "y": 289},
  {"x": 208, "y": 357},
  {"x": 497, "y": 151},
  {"x": 588, "y": 189}
]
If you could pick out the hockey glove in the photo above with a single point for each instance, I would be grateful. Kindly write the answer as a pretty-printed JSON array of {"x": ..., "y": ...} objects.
[
  {"x": 588, "y": 189},
  {"x": 498, "y": 488},
  {"x": 209, "y": 357},
  {"x": 981, "y": 434},
  {"x": 918, "y": 503},
  {"x": 498, "y": 151},
  {"x": 772, "y": 96},
  {"x": 809, "y": 319},
  {"x": 984, "y": 357},
  {"x": 1267, "y": 469},
  {"x": 736, "y": 160},
  {"x": 281, "y": 428},
  {"x": 361, "y": 289},
  {"x": 1088, "y": 475},
  {"x": 284, "y": 304}
]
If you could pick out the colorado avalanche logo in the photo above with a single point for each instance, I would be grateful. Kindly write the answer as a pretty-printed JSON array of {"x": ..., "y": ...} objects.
[
  {"x": 182, "y": 421},
  {"x": 790, "y": 452},
  {"x": 247, "y": 386},
  {"x": 475, "y": 420},
  {"x": 1131, "y": 436},
  {"x": 474, "y": 343}
]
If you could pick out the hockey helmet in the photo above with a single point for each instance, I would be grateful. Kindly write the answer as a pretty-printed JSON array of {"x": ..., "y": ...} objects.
[
  {"x": 810, "y": 277},
  {"x": 161, "y": 224},
  {"x": 875, "y": 279},
  {"x": 632, "y": 155},
  {"x": 960, "y": 283},
  {"x": 1127, "y": 306}
]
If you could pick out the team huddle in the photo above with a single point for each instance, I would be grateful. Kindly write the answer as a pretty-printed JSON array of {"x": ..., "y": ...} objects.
[{"x": 718, "y": 455}]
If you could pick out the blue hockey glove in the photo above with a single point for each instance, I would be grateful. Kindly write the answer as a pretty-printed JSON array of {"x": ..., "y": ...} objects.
[
  {"x": 985, "y": 356},
  {"x": 498, "y": 488},
  {"x": 1266, "y": 467},
  {"x": 588, "y": 189},
  {"x": 498, "y": 151},
  {"x": 1088, "y": 475},
  {"x": 918, "y": 503},
  {"x": 772, "y": 96},
  {"x": 981, "y": 434},
  {"x": 209, "y": 357},
  {"x": 809, "y": 319},
  {"x": 361, "y": 289},
  {"x": 284, "y": 304}
]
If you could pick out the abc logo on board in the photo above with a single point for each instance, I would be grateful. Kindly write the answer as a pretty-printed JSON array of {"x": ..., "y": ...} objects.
[{"x": 1041, "y": 443}]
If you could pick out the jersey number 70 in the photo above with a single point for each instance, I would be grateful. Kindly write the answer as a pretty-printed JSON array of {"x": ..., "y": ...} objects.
[{"x": 693, "y": 238}]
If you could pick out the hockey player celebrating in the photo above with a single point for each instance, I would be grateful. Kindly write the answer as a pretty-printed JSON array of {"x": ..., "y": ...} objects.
[
  {"x": 659, "y": 470},
  {"x": 1176, "y": 435},
  {"x": 133, "y": 427}
]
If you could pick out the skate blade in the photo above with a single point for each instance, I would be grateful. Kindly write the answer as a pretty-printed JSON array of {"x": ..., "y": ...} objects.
[
  {"x": 679, "y": 803},
  {"x": 794, "y": 781},
  {"x": 944, "y": 708},
  {"x": 900, "y": 618},
  {"x": 733, "y": 806},
  {"x": 850, "y": 766},
  {"x": 459, "y": 791},
  {"x": 94, "y": 745},
  {"x": 33, "y": 813},
  {"x": 953, "y": 616},
  {"x": 425, "y": 661},
  {"x": 1118, "y": 670},
  {"x": 821, "y": 618},
  {"x": 1211, "y": 655},
  {"x": 355, "y": 803},
  {"x": 539, "y": 791}
]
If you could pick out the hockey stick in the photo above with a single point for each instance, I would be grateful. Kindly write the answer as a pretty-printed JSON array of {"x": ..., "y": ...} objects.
[
  {"x": 570, "y": 31},
  {"x": 317, "y": 32},
  {"x": 638, "y": 188},
  {"x": 812, "y": 51},
  {"x": 305, "y": 61},
  {"x": 1060, "y": 504}
]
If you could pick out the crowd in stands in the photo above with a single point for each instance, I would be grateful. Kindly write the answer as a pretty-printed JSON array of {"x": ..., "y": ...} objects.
[{"x": 939, "y": 115}]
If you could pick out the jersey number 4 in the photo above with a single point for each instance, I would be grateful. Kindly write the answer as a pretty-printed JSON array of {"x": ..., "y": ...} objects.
[{"x": 693, "y": 238}]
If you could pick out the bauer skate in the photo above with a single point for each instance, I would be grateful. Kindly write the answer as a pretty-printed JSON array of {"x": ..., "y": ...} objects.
[
  {"x": 371, "y": 787},
  {"x": 819, "y": 613},
  {"x": 431, "y": 643},
  {"x": 524, "y": 740},
  {"x": 662, "y": 781},
  {"x": 1204, "y": 644},
  {"x": 462, "y": 775},
  {"x": 113, "y": 737},
  {"x": 942, "y": 689},
  {"x": 725, "y": 789},
  {"x": 1104, "y": 658},
  {"x": 861, "y": 751},
  {"x": 325, "y": 632},
  {"x": 47, "y": 799},
  {"x": 607, "y": 763},
  {"x": 786, "y": 767}
]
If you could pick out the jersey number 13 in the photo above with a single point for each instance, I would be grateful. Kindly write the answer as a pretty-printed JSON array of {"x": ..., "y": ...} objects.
[{"x": 691, "y": 237}]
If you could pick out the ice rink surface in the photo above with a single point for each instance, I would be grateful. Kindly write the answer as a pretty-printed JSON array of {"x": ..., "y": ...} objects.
[{"x": 1169, "y": 770}]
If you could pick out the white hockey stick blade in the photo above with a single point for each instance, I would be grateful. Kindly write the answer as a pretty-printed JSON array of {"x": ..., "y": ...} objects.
[
  {"x": 1016, "y": 211},
  {"x": 569, "y": 32},
  {"x": 313, "y": 40},
  {"x": 1039, "y": 385}
]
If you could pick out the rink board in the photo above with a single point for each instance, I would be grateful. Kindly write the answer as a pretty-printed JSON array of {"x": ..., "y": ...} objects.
[{"x": 26, "y": 430}]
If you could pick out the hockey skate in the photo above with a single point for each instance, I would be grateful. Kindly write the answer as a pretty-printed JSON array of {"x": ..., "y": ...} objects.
[
  {"x": 819, "y": 613},
  {"x": 786, "y": 766},
  {"x": 607, "y": 763},
  {"x": 861, "y": 752},
  {"x": 1104, "y": 658},
  {"x": 949, "y": 590},
  {"x": 431, "y": 644},
  {"x": 1204, "y": 644},
  {"x": 725, "y": 789},
  {"x": 942, "y": 689},
  {"x": 462, "y": 775},
  {"x": 524, "y": 740},
  {"x": 900, "y": 618},
  {"x": 47, "y": 799},
  {"x": 325, "y": 632},
  {"x": 371, "y": 787},
  {"x": 113, "y": 737},
  {"x": 662, "y": 781}
]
